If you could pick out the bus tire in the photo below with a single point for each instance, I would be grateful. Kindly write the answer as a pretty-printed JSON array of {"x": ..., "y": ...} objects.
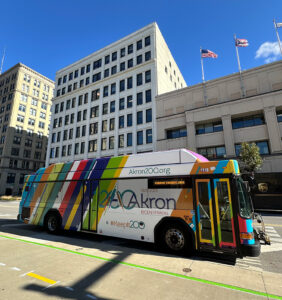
[
  {"x": 175, "y": 239},
  {"x": 53, "y": 222}
]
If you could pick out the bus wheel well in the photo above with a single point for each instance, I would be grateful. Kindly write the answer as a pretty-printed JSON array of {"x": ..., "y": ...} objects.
[
  {"x": 58, "y": 218},
  {"x": 174, "y": 222}
]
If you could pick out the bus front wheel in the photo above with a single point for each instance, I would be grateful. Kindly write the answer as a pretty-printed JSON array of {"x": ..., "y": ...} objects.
[
  {"x": 175, "y": 239},
  {"x": 52, "y": 223}
]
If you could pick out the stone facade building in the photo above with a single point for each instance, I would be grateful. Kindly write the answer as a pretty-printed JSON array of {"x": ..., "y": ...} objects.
[
  {"x": 25, "y": 108},
  {"x": 230, "y": 115}
]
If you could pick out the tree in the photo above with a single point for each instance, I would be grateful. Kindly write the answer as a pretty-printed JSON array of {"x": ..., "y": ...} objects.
[{"x": 250, "y": 157}]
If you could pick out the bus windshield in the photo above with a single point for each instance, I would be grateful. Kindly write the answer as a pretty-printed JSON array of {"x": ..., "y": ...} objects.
[{"x": 244, "y": 199}]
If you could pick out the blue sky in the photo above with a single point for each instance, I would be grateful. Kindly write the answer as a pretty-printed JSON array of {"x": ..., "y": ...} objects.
[{"x": 48, "y": 35}]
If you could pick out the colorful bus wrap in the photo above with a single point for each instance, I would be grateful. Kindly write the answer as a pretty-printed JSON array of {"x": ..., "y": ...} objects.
[{"x": 176, "y": 198}]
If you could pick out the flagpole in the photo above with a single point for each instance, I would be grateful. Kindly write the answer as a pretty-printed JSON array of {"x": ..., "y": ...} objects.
[
  {"x": 203, "y": 79},
  {"x": 239, "y": 66},
  {"x": 279, "y": 43},
  {"x": 2, "y": 62}
]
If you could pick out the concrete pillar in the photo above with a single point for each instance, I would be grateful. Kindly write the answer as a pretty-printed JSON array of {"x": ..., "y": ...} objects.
[
  {"x": 228, "y": 135},
  {"x": 191, "y": 132},
  {"x": 273, "y": 129}
]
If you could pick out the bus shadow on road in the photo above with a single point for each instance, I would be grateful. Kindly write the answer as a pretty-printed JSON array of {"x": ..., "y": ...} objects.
[{"x": 85, "y": 240}]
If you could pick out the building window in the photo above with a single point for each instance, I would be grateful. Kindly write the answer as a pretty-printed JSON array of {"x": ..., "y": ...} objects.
[
  {"x": 75, "y": 73},
  {"x": 147, "y": 41},
  {"x": 129, "y": 101},
  {"x": 95, "y": 95},
  {"x": 94, "y": 112},
  {"x": 147, "y": 55},
  {"x": 111, "y": 142},
  {"x": 129, "y": 139},
  {"x": 248, "y": 121},
  {"x": 130, "y": 49},
  {"x": 148, "y": 115},
  {"x": 279, "y": 116},
  {"x": 209, "y": 127},
  {"x": 139, "y": 79},
  {"x": 122, "y": 52},
  {"x": 104, "y": 144},
  {"x": 15, "y": 151},
  {"x": 78, "y": 118},
  {"x": 263, "y": 148},
  {"x": 68, "y": 104},
  {"x": 107, "y": 59},
  {"x": 82, "y": 147},
  {"x": 122, "y": 85},
  {"x": 122, "y": 66},
  {"x": 139, "y": 117},
  {"x": 148, "y": 76},
  {"x": 93, "y": 128},
  {"x": 83, "y": 131},
  {"x": 129, "y": 83},
  {"x": 114, "y": 70},
  {"x": 97, "y": 64},
  {"x": 121, "y": 122},
  {"x": 69, "y": 149},
  {"x": 113, "y": 88},
  {"x": 112, "y": 124},
  {"x": 140, "y": 98},
  {"x": 139, "y": 59},
  {"x": 11, "y": 177},
  {"x": 121, "y": 103},
  {"x": 129, "y": 120},
  {"x": 114, "y": 56},
  {"x": 176, "y": 133},
  {"x": 76, "y": 148},
  {"x": 92, "y": 146},
  {"x": 139, "y": 137},
  {"x": 112, "y": 106},
  {"x": 105, "y": 108},
  {"x": 106, "y": 73},
  {"x": 82, "y": 70},
  {"x": 121, "y": 141},
  {"x": 71, "y": 133},
  {"x": 139, "y": 45},
  {"x": 106, "y": 91},
  {"x": 213, "y": 152},
  {"x": 104, "y": 125},
  {"x": 130, "y": 63},
  {"x": 149, "y": 137},
  {"x": 96, "y": 77},
  {"x": 77, "y": 132}
]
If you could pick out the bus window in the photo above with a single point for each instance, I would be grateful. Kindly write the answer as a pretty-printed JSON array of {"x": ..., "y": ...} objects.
[{"x": 244, "y": 200}]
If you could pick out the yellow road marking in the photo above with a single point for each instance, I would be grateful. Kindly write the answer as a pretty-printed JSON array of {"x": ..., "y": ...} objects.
[
  {"x": 277, "y": 225},
  {"x": 50, "y": 281}
]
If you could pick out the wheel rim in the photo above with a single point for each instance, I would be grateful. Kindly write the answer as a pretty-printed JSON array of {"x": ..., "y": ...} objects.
[
  {"x": 174, "y": 239},
  {"x": 52, "y": 223}
]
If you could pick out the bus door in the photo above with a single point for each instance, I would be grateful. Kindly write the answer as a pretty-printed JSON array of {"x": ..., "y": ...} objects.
[
  {"x": 90, "y": 206},
  {"x": 215, "y": 222}
]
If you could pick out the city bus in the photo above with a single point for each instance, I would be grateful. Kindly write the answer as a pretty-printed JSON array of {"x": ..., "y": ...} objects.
[{"x": 176, "y": 199}]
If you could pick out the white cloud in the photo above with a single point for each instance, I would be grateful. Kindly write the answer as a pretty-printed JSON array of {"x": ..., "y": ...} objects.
[{"x": 269, "y": 51}]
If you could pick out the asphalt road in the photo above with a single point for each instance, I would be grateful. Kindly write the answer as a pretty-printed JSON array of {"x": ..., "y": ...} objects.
[{"x": 34, "y": 264}]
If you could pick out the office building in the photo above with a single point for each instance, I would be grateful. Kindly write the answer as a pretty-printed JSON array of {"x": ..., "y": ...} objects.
[
  {"x": 25, "y": 105},
  {"x": 105, "y": 103},
  {"x": 230, "y": 115}
]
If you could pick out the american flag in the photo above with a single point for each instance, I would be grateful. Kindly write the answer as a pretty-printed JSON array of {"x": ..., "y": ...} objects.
[
  {"x": 241, "y": 43},
  {"x": 208, "y": 53}
]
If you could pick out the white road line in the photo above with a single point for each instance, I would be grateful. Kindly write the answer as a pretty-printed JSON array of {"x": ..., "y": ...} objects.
[
  {"x": 11, "y": 225},
  {"x": 26, "y": 273},
  {"x": 5, "y": 215},
  {"x": 90, "y": 296},
  {"x": 1, "y": 264},
  {"x": 47, "y": 287},
  {"x": 69, "y": 288},
  {"x": 276, "y": 240},
  {"x": 15, "y": 269},
  {"x": 273, "y": 235},
  {"x": 250, "y": 259}
]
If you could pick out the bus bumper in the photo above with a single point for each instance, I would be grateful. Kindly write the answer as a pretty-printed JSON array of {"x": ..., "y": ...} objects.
[{"x": 251, "y": 250}]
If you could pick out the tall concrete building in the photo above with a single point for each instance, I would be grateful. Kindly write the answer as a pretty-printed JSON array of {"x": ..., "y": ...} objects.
[
  {"x": 105, "y": 103},
  {"x": 229, "y": 117},
  {"x": 25, "y": 108}
]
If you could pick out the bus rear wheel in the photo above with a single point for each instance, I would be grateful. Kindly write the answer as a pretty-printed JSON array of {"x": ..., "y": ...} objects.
[
  {"x": 175, "y": 239},
  {"x": 52, "y": 223}
]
